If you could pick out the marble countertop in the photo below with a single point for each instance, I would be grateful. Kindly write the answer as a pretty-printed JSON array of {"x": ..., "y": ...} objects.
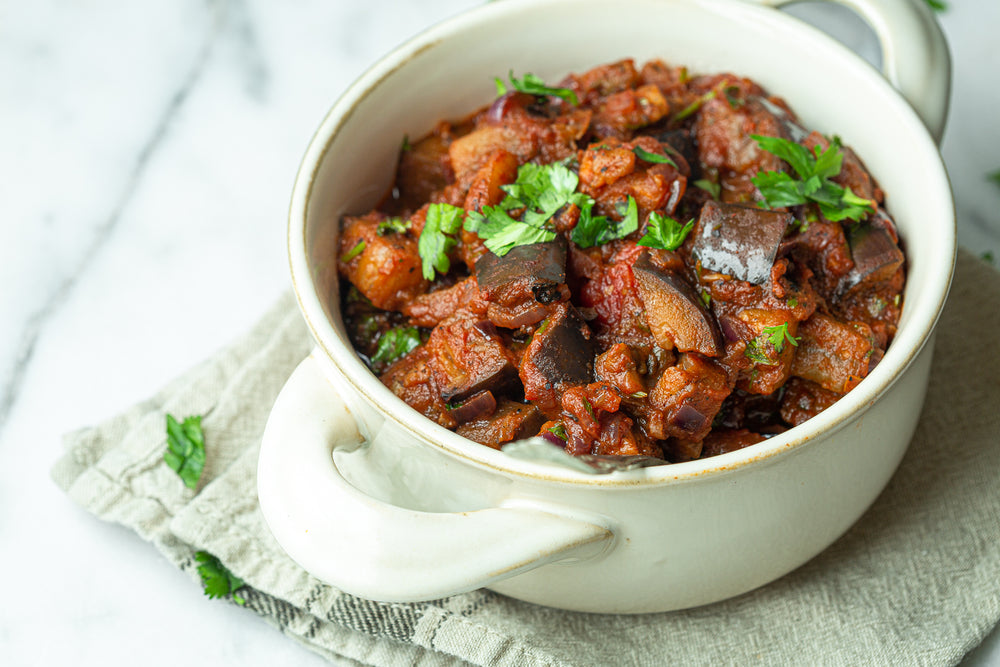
[{"x": 148, "y": 153}]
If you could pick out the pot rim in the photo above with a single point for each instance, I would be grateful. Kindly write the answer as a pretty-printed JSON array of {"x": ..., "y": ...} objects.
[{"x": 908, "y": 343}]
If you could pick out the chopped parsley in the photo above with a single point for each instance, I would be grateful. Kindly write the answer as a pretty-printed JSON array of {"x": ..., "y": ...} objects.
[
  {"x": 533, "y": 85},
  {"x": 710, "y": 187},
  {"x": 437, "y": 240},
  {"x": 655, "y": 158},
  {"x": 776, "y": 336},
  {"x": 664, "y": 232},
  {"x": 938, "y": 5},
  {"x": 358, "y": 248},
  {"x": 559, "y": 430},
  {"x": 396, "y": 343},
  {"x": 593, "y": 230},
  {"x": 694, "y": 106},
  {"x": 406, "y": 146},
  {"x": 216, "y": 579},
  {"x": 185, "y": 449},
  {"x": 392, "y": 226},
  {"x": 814, "y": 169}
]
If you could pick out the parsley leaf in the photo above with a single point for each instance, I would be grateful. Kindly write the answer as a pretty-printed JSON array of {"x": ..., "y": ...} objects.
[
  {"x": 694, "y": 106},
  {"x": 396, "y": 343},
  {"x": 664, "y": 232},
  {"x": 392, "y": 226},
  {"x": 778, "y": 335},
  {"x": 643, "y": 154},
  {"x": 185, "y": 449},
  {"x": 814, "y": 169},
  {"x": 938, "y": 5},
  {"x": 534, "y": 85},
  {"x": 593, "y": 230},
  {"x": 436, "y": 241},
  {"x": 216, "y": 579},
  {"x": 358, "y": 248}
]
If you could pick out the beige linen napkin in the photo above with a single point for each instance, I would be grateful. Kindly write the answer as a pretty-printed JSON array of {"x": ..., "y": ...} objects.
[{"x": 915, "y": 581}]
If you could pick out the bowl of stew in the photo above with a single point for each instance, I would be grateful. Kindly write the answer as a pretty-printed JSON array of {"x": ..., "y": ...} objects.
[{"x": 617, "y": 308}]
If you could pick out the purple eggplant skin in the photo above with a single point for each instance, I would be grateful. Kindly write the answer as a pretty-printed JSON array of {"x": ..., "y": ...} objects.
[
  {"x": 876, "y": 256},
  {"x": 741, "y": 241},
  {"x": 562, "y": 350},
  {"x": 676, "y": 315},
  {"x": 477, "y": 406},
  {"x": 541, "y": 265}
]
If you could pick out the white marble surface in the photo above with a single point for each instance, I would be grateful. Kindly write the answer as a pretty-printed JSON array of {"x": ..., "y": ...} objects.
[{"x": 147, "y": 152}]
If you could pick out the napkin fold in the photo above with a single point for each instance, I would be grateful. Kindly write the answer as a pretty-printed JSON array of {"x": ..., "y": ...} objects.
[{"x": 916, "y": 580}]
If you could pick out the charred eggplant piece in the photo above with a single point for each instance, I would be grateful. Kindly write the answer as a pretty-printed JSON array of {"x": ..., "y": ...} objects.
[
  {"x": 511, "y": 421},
  {"x": 676, "y": 315},
  {"x": 541, "y": 267},
  {"x": 741, "y": 241},
  {"x": 876, "y": 257},
  {"x": 466, "y": 358},
  {"x": 561, "y": 353}
]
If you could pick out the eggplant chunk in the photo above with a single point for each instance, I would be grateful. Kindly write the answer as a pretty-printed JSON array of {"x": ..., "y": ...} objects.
[
  {"x": 676, "y": 315},
  {"x": 876, "y": 257},
  {"x": 510, "y": 421},
  {"x": 832, "y": 353},
  {"x": 560, "y": 354},
  {"x": 540, "y": 267},
  {"x": 741, "y": 241},
  {"x": 466, "y": 357}
]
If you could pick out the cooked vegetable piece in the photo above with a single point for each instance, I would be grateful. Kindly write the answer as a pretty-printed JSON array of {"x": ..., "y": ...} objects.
[
  {"x": 410, "y": 378},
  {"x": 804, "y": 400},
  {"x": 676, "y": 314},
  {"x": 560, "y": 354},
  {"x": 832, "y": 353},
  {"x": 511, "y": 421},
  {"x": 539, "y": 268},
  {"x": 686, "y": 398},
  {"x": 477, "y": 406},
  {"x": 387, "y": 270},
  {"x": 466, "y": 358},
  {"x": 876, "y": 256},
  {"x": 739, "y": 240}
]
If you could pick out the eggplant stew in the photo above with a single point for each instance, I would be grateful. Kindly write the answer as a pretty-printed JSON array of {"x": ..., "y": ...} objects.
[{"x": 635, "y": 261}]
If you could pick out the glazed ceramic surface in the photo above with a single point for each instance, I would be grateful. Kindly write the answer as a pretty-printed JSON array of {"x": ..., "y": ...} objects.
[{"x": 372, "y": 497}]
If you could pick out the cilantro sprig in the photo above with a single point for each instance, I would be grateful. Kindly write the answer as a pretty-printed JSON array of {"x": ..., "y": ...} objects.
[
  {"x": 185, "y": 449},
  {"x": 534, "y": 85},
  {"x": 216, "y": 579},
  {"x": 593, "y": 230},
  {"x": 776, "y": 336},
  {"x": 664, "y": 232},
  {"x": 814, "y": 168},
  {"x": 396, "y": 343},
  {"x": 437, "y": 240}
]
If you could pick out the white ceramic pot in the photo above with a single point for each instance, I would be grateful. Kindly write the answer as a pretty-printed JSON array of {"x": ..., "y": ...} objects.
[{"x": 405, "y": 510}]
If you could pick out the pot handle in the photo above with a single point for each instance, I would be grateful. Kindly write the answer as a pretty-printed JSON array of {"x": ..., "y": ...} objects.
[
  {"x": 915, "y": 57},
  {"x": 376, "y": 550}
]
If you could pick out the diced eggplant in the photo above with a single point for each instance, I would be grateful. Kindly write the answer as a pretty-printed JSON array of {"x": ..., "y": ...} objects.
[
  {"x": 832, "y": 353},
  {"x": 876, "y": 257},
  {"x": 541, "y": 265},
  {"x": 511, "y": 421},
  {"x": 465, "y": 360},
  {"x": 560, "y": 354},
  {"x": 741, "y": 241},
  {"x": 477, "y": 406},
  {"x": 683, "y": 143},
  {"x": 676, "y": 315}
]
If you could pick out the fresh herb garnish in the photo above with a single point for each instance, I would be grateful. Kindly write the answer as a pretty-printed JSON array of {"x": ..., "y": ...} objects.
[
  {"x": 694, "y": 106},
  {"x": 559, "y": 430},
  {"x": 396, "y": 343},
  {"x": 938, "y": 5},
  {"x": 436, "y": 239},
  {"x": 987, "y": 257},
  {"x": 730, "y": 93},
  {"x": 540, "y": 190},
  {"x": 185, "y": 449},
  {"x": 706, "y": 297},
  {"x": 643, "y": 154},
  {"x": 216, "y": 579},
  {"x": 392, "y": 226},
  {"x": 814, "y": 169},
  {"x": 664, "y": 232},
  {"x": 710, "y": 187},
  {"x": 358, "y": 248},
  {"x": 994, "y": 176},
  {"x": 593, "y": 230},
  {"x": 407, "y": 146},
  {"x": 776, "y": 336},
  {"x": 534, "y": 85}
]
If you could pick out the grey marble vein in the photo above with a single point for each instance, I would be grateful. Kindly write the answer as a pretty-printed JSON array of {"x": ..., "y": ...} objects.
[{"x": 35, "y": 324}]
